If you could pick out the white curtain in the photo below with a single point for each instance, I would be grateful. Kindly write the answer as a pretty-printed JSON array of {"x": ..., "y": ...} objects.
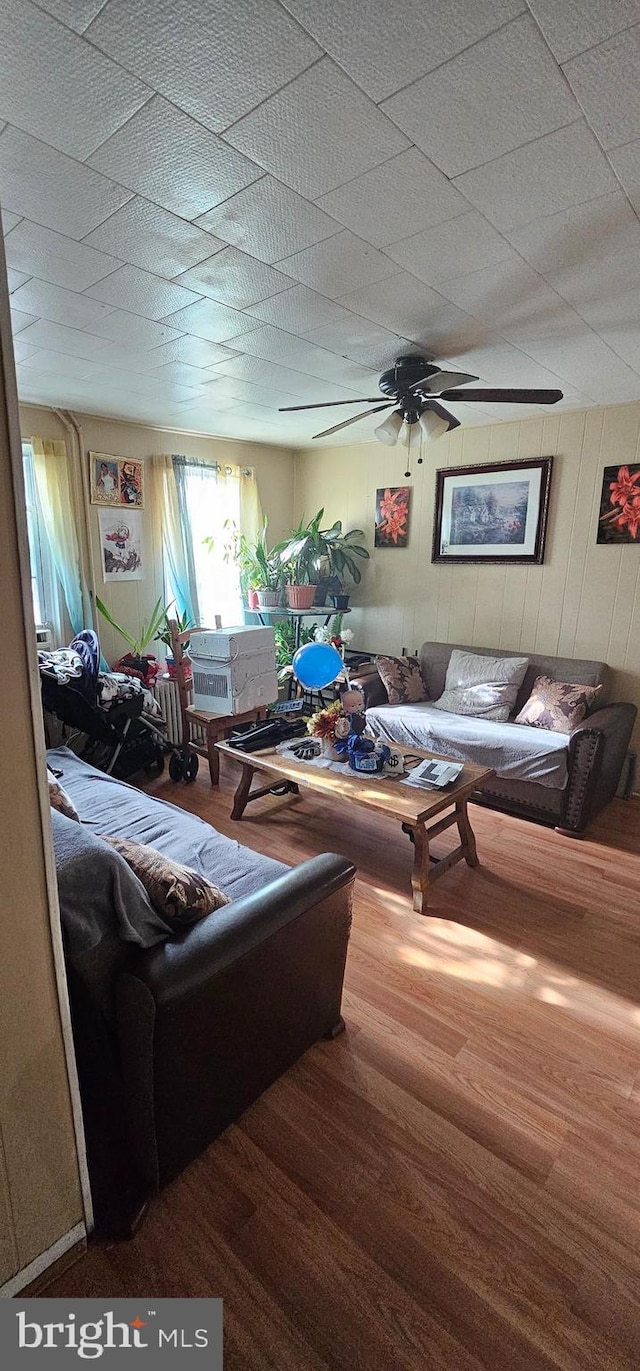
[
  {"x": 56, "y": 506},
  {"x": 197, "y": 501}
]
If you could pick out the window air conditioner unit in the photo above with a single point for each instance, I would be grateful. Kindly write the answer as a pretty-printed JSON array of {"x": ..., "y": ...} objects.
[{"x": 44, "y": 638}]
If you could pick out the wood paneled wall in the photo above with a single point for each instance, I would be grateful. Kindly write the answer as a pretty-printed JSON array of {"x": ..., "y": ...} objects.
[
  {"x": 132, "y": 602},
  {"x": 584, "y": 601}
]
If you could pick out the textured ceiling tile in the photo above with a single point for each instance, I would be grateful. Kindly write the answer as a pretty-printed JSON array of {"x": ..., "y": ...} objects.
[
  {"x": 503, "y": 365},
  {"x": 77, "y": 342},
  {"x": 401, "y": 197},
  {"x": 318, "y": 132},
  {"x": 196, "y": 352},
  {"x": 597, "y": 276},
  {"x": 16, "y": 279},
  {"x": 142, "y": 293},
  {"x": 213, "y": 59},
  {"x": 361, "y": 341},
  {"x": 46, "y": 363},
  {"x": 423, "y": 35},
  {"x": 56, "y": 87},
  {"x": 548, "y": 175},
  {"x": 575, "y": 25},
  {"x": 76, "y": 14},
  {"x": 133, "y": 330},
  {"x": 61, "y": 306},
  {"x": 302, "y": 355},
  {"x": 20, "y": 320},
  {"x": 610, "y": 310},
  {"x": 499, "y": 94},
  {"x": 589, "y": 364},
  {"x": 269, "y": 220},
  {"x": 267, "y": 373},
  {"x": 212, "y": 321},
  {"x": 172, "y": 160},
  {"x": 52, "y": 189},
  {"x": 152, "y": 238},
  {"x": 626, "y": 164},
  {"x": 338, "y": 264},
  {"x": 505, "y": 295},
  {"x": 235, "y": 279},
  {"x": 9, "y": 220},
  {"x": 21, "y": 351},
  {"x": 53, "y": 257},
  {"x": 624, "y": 340},
  {"x": 233, "y": 389},
  {"x": 605, "y": 81},
  {"x": 461, "y": 245},
  {"x": 181, "y": 373},
  {"x": 298, "y": 310},
  {"x": 579, "y": 234}
]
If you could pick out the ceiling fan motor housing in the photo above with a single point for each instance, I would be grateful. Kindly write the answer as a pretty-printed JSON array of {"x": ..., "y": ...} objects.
[{"x": 398, "y": 380}]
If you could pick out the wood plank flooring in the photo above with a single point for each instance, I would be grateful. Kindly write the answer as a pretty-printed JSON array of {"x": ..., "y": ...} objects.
[{"x": 453, "y": 1184}]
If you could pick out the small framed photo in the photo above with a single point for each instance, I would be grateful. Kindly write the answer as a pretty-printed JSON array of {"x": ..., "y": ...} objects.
[
  {"x": 492, "y": 513},
  {"x": 105, "y": 479},
  {"x": 132, "y": 484}
]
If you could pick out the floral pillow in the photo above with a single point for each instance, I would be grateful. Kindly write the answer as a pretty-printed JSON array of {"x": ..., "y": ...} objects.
[
  {"x": 58, "y": 798},
  {"x": 402, "y": 679},
  {"x": 181, "y": 895},
  {"x": 557, "y": 705}
]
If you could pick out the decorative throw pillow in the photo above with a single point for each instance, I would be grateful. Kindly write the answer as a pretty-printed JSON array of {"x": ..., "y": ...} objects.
[
  {"x": 557, "y": 705},
  {"x": 58, "y": 798},
  {"x": 402, "y": 679},
  {"x": 484, "y": 687},
  {"x": 181, "y": 895}
]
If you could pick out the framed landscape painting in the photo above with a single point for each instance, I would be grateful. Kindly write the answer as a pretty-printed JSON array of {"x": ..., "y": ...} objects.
[
  {"x": 492, "y": 513},
  {"x": 619, "y": 520}
]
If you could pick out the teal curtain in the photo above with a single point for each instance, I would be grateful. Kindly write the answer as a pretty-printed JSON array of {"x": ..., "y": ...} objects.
[{"x": 56, "y": 506}]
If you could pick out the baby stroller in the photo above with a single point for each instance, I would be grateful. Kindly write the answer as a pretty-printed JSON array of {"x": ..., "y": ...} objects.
[{"x": 113, "y": 718}]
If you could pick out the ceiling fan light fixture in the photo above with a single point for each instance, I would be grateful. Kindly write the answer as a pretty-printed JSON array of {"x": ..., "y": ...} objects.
[
  {"x": 433, "y": 426},
  {"x": 389, "y": 430}
]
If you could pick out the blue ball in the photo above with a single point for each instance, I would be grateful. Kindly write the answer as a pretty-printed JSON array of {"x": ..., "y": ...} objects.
[{"x": 316, "y": 665}]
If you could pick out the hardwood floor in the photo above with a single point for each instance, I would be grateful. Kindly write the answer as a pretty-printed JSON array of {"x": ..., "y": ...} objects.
[{"x": 453, "y": 1184}]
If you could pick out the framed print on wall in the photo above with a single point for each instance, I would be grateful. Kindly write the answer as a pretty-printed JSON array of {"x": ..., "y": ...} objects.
[
  {"x": 492, "y": 513},
  {"x": 392, "y": 516},
  {"x": 619, "y": 520},
  {"x": 116, "y": 481}
]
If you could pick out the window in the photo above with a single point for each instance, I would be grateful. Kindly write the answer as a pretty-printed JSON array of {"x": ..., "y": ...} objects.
[
  {"x": 209, "y": 498},
  {"x": 43, "y": 581}
]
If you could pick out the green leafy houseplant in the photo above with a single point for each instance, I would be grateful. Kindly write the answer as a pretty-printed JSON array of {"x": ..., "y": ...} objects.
[
  {"x": 285, "y": 636},
  {"x": 260, "y": 569},
  {"x": 184, "y": 622},
  {"x": 311, "y": 550},
  {"x": 150, "y": 630}
]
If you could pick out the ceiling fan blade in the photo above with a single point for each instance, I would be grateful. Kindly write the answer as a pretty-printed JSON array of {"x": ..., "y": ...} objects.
[
  {"x": 444, "y": 414},
  {"x": 345, "y": 423},
  {"x": 504, "y": 397},
  {"x": 433, "y": 385},
  {"x": 328, "y": 404}
]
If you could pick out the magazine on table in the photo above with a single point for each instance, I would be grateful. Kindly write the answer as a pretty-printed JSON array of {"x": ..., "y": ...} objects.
[{"x": 433, "y": 775}]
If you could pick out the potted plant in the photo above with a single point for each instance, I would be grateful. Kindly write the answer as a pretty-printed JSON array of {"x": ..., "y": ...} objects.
[
  {"x": 139, "y": 662},
  {"x": 310, "y": 551},
  {"x": 184, "y": 622},
  {"x": 270, "y": 573},
  {"x": 261, "y": 571}
]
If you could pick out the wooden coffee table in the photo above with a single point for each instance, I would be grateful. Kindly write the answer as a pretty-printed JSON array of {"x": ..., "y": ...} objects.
[{"x": 416, "y": 810}]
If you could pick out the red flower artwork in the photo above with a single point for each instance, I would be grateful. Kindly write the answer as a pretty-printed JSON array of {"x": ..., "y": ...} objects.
[
  {"x": 620, "y": 505},
  {"x": 392, "y": 516}
]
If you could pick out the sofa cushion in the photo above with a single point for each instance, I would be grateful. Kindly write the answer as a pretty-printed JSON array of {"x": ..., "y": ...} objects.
[
  {"x": 179, "y": 894},
  {"x": 557, "y": 705},
  {"x": 485, "y": 687},
  {"x": 434, "y": 660},
  {"x": 402, "y": 679},
  {"x": 514, "y": 751}
]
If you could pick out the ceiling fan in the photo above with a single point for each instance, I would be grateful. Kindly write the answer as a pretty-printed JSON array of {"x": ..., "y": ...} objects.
[{"x": 412, "y": 383}]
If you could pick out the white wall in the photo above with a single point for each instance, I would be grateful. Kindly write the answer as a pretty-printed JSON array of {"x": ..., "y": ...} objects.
[{"x": 584, "y": 601}]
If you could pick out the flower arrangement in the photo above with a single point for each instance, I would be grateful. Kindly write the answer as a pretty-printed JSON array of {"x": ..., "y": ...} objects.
[
  {"x": 329, "y": 723},
  {"x": 335, "y": 634}
]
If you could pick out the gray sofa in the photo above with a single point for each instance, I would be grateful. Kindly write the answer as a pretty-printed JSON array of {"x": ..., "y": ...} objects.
[{"x": 559, "y": 779}]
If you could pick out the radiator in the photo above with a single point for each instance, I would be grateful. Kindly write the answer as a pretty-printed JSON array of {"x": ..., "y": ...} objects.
[{"x": 166, "y": 693}]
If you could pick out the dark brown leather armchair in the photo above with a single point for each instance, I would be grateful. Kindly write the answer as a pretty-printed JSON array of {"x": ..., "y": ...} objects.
[{"x": 203, "y": 1025}]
